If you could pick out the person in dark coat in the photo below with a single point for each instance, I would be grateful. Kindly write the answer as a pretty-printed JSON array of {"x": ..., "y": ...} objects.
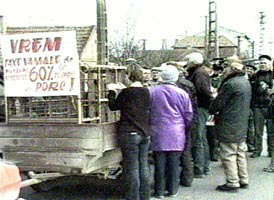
[
  {"x": 270, "y": 130},
  {"x": 263, "y": 82},
  {"x": 133, "y": 133},
  {"x": 231, "y": 110},
  {"x": 250, "y": 72},
  {"x": 199, "y": 76},
  {"x": 187, "y": 173}
]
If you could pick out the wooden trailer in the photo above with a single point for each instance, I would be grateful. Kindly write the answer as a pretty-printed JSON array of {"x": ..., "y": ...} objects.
[{"x": 50, "y": 137}]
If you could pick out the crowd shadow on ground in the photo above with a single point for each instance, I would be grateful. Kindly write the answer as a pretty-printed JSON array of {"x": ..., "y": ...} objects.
[{"x": 78, "y": 188}]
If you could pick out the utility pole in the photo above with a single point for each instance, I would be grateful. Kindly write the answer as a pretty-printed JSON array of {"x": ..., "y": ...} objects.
[
  {"x": 2, "y": 24},
  {"x": 239, "y": 46},
  {"x": 262, "y": 30},
  {"x": 205, "y": 42},
  {"x": 253, "y": 48},
  {"x": 102, "y": 40},
  {"x": 164, "y": 44},
  {"x": 213, "y": 37},
  {"x": 270, "y": 47},
  {"x": 144, "y": 44}
]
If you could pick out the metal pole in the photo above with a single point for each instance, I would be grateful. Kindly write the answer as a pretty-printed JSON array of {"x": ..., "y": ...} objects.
[
  {"x": 239, "y": 46},
  {"x": 217, "y": 33},
  {"x": 205, "y": 50},
  {"x": 253, "y": 49},
  {"x": 102, "y": 50},
  {"x": 262, "y": 30}
]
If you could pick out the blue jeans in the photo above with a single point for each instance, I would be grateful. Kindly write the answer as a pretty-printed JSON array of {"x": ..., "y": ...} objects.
[
  {"x": 200, "y": 148},
  {"x": 136, "y": 171}
]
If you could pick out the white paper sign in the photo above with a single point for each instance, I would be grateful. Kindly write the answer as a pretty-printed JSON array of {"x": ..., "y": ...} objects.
[{"x": 41, "y": 64}]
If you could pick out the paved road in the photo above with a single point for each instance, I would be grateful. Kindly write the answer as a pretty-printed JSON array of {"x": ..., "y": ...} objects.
[{"x": 261, "y": 187}]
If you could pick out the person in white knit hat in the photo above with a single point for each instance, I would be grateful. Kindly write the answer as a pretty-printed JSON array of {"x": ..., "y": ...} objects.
[
  {"x": 199, "y": 76},
  {"x": 170, "y": 117}
]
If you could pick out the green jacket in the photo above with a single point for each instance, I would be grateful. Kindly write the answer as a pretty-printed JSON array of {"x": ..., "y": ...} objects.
[{"x": 231, "y": 109}]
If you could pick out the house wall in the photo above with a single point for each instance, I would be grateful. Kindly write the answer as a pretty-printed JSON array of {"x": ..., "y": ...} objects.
[{"x": 89, "y": 53}]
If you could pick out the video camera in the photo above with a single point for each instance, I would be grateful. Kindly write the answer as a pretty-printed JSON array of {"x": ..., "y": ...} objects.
[{"x": 218, "y": 64}]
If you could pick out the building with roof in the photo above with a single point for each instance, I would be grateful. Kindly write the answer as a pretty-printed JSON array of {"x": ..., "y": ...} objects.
[{"x": 226, "y": 46}]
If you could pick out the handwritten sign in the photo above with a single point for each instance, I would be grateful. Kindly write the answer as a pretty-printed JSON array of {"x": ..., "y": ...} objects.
[{"x": 41, "y": 64}]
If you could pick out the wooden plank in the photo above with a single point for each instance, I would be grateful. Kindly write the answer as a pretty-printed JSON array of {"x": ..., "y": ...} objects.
[
  {"x": 44, "y": 143},
  {"x": 30, "y": 182},
  {"x": 110, "y": 138},
  {"x": 32, "y": 160},
  {"x": 109, "y": 159},
  {"x": 43, "y": 120},
  {"x": 50, "y": 131}
]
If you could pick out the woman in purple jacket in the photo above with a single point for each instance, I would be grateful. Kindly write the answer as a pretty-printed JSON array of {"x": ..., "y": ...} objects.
[{"x": 171, "y": 116}]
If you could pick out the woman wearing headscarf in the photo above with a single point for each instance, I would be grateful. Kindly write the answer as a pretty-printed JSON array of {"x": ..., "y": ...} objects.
[{"x": 170, "y": 116}]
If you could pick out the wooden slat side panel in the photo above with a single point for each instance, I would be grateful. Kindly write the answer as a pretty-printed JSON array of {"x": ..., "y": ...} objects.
[
  {"x": 109, "y": 159},
  {"x": 49, "y": 161},
  {"x": 48, "y": 143},
  {"x": 49, "y": 131},
  {"x": 110, "y": 138}
]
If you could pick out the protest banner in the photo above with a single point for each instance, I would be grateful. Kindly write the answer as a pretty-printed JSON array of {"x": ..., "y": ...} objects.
[{"x": 41, "y": 64}]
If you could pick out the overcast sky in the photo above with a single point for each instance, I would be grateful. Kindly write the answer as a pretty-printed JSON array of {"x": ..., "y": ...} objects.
[{"x": 154, "y": 20}]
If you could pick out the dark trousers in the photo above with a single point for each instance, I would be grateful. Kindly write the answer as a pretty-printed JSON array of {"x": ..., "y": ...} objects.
[
  {"x": 200, "y": 148},
  {"x": 187, "y": 173},
  {"x": 213, "y": 143},
  {"x": 251, "y": 133},
  {"x": 259, "y": 122},
  {"x": 270, "y": 136},
  {"x": 167, "y": 171},
  {"x": 136, "y": 172}
]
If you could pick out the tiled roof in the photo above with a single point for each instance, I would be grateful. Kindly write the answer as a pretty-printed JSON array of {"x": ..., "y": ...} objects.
[
  {"x": 82, "y": 33},
  {"x": 198, "y": 41}
]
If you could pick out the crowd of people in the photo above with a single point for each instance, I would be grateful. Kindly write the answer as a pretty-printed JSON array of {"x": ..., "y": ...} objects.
[{"x": 170, "y": 118}]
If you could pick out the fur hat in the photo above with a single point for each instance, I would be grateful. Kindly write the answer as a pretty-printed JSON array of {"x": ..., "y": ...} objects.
[
  {"x": 235, "y": 63},
  {"x": 169, "y": 73}
]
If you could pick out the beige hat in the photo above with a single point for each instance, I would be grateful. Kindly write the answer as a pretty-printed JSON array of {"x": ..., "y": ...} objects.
[
  {"x": 237, "y": 66},
  {"x": 235, "y": 63}
]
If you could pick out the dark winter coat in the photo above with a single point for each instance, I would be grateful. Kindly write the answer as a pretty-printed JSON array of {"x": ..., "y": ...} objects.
[
  {"x": 133, "y": 102},
  {"x": 232, "y": 108},
  {"x": 190, "y": 89},
  {"x": 201, "y": 79},
  {"x": 188, "y": 86},
  {"x": 262, "y": 81}
]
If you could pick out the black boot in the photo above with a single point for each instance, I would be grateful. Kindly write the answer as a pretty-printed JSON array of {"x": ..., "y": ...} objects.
[
  {"x": 226, "y": 188},
  {"x": 255, "y": 155}
]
